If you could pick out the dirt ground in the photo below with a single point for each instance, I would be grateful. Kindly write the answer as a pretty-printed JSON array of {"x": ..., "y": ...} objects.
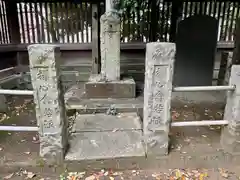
[{"x": 24, "y": 146}]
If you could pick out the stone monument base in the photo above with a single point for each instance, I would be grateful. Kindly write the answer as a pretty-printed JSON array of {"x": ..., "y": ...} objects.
[{"x": 98, "y": 88}]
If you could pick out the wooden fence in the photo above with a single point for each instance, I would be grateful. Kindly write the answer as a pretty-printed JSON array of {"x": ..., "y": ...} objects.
[{"x": 71, "y": 22}]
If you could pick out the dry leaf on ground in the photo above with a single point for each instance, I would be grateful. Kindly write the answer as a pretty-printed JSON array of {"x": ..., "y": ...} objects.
[
  {"x": 9, "y": 176},
  {"x": 30, "y": 175}
]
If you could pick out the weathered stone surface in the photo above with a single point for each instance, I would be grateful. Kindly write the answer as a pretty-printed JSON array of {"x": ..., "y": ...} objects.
[
  {"x": 104, "y": 122},
  {"x": 3, "y": 104},
  {"x": 74, "y": 93},
  {"x": 48, "y": 97},
  {"x": 110, "y": 46},
  {"x": 125, "y": 88},
  {"x": 230, "y": 137},
  {"x": 228, "y": 69},
  {"x": 157, "y": 96},
  {"x": 105, "y": 145}
]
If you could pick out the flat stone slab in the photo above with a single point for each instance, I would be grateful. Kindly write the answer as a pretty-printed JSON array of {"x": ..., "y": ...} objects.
[
  {"x": 105, "y": 145},
  {"x": 104, "y": 122},
  {"x": 125, "y": 88}
]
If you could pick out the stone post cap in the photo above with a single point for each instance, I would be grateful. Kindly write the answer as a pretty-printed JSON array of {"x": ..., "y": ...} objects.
[
  {"x": 43, "y": 55},
  {"x": 162, "y": 52},
  {"x": 111, "y": 22}
]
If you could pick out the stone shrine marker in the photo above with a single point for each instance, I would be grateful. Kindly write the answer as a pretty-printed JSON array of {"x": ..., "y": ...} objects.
[
  {"x": 157, "y": 96},
  {"x": 196, "y": 43},
  {"x": 44, "y": 61}
]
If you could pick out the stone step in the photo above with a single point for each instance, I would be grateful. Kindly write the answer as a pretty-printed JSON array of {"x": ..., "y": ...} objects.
[
  {"x": 102, "y": 136},
  {"x": 104, "y": 122},
  {"x": 105, "y": 145}
]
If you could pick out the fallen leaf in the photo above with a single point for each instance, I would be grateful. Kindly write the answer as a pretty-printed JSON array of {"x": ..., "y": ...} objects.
[
  {"x": 30, "y": 175},
  {"x": 90, "y": 178},
  {"x": 178, "y": 174},
  {"x": 9, "y": 176},
  {"x": 1, "y": 148},
  {"x": 27, "y": 153},
  {"x": 223, "y": 173}
]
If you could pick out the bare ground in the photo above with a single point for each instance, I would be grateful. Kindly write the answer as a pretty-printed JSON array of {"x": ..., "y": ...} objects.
[{"x": 188, "y": 142}]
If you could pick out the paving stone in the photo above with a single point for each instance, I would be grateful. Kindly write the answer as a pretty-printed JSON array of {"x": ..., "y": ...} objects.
[{"x": 105, "y": 145}]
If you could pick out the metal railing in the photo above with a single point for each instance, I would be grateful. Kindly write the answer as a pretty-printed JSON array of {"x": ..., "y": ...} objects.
[
  {"x": 203, "y": 88},
  {"x": 196, "y": 89},
  {"x": 15, "y": 92}
]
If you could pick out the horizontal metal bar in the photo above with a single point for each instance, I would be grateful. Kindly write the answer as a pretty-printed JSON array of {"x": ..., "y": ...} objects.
[
  {"x": 199, "y": 123},
  {"x": 203, "y": 88},
  {"x": 7, "y": 69},
  {"x": 18, "y": 128},
  {"x": 16, "y": 92},
  {"x": 10, "y": 78}
]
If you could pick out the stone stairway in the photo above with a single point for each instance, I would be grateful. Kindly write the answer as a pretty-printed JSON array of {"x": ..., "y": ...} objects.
[
  {"x": 96, "y": 134},
  {"x": 102, "y": 136}
]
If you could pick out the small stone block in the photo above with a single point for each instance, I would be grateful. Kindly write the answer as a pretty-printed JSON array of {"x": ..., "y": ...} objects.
[
  {"x": 103, "y": 122},
  {"x": 125, "y": 88}
]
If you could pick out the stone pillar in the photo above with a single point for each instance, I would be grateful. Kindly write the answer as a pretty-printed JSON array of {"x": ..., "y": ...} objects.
[
  {"x": 157, "y": 96},
  {"x": 230, "y": 137},
  {"x": 228, "y": 68},
  {"x": 110, "y": 46},
  {"x": 48, "y": 96}
]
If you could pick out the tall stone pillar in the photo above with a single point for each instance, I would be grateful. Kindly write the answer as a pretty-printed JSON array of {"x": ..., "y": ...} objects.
[
  {"x": 157, "y": 96},
  {"x": 108, "y": 83},
  {"x": 44, "y": 62},
  {"x": 230, "y": 137},
  {"x": 110, "y": 46}
]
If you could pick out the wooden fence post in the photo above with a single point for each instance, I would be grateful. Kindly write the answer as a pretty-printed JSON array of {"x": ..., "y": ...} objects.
[
  {"x": 236, "y": 52},
  {"x": 95, "y": 38},
  {"x": 12, "y": 21}
]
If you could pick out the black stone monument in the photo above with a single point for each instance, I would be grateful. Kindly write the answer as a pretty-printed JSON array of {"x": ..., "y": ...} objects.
[{"x": 196, "y": 43}]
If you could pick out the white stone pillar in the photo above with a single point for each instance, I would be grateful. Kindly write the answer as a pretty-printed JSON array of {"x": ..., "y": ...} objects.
[
  {"x": 44, "y": 60},
  {"x": 110, "y": 46},
  {"x": 157, "y": 96},
  {"x": 230, "y": 137}
]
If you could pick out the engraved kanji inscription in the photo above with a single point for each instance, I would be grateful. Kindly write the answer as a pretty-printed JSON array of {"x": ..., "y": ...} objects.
[
  {"x": 48, "y": 112},
  {"x": 157, "y": 54},
  {"x": 47, "y": 124},
  {"x": 155, "y": 120},
  {"x": 159, "y": 84},
  {"x": 158, "y": 108},
  {"x": 159, "y": 96},
  {"x": 41, "y": 75}
]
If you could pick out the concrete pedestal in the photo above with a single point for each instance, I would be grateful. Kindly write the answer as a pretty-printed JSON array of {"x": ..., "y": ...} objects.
[{"x": 97, "y": 88}]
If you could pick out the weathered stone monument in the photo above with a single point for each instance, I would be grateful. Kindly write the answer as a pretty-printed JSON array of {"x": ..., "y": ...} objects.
[
  {"x": 196, "y": 44},
  {"x": 157, "y": 96},
  {"x": 48, "y": 97},
  {"x": 230, "y": 137},
  {"x": 108, "y": 84}
]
